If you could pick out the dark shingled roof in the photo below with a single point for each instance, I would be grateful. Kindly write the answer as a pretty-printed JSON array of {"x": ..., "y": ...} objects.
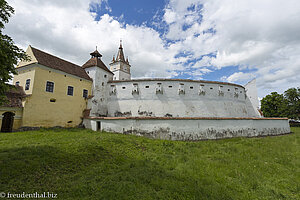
[
  {"x": 59, "y": 64},
  {"x": 180, "y": 80},
  {"x": 14, "y": 96},
  {"x": 94, "y": 61}
]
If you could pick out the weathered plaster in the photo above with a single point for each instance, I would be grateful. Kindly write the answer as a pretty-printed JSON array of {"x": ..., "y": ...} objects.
[{"x": 192, "y": 129}]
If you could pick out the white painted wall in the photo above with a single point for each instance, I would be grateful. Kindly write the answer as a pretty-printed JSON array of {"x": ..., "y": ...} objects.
[
  {"x": 178, "y": 99},
  {"x": 193, "y": 129},
  {"x": 98, "y": 104},
  {"x": 251, "y": 92},
  {"x": 121, "y": 70},
  {"x": 120, "y": 75}
]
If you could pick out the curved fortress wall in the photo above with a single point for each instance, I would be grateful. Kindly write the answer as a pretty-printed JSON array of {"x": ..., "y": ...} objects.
[
  {"x": 177, "y": 98},
  {"x": 190, "y": 128}
]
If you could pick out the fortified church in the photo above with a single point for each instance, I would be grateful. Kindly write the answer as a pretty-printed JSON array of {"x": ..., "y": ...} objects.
[{"x": 50, "y": 91}]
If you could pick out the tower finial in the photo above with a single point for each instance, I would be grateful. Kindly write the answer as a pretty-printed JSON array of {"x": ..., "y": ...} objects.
[
  {"x": 120, "y": 43},
  {"x": 96, "y": 48}
]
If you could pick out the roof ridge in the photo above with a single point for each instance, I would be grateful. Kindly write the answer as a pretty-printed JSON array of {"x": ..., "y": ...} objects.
[
  {"x": 54, "y": 62},
  {"x": 54, "y": 56}
]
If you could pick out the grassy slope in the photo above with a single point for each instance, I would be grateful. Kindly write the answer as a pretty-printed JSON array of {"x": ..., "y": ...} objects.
[{"x": 82, "y": 164}]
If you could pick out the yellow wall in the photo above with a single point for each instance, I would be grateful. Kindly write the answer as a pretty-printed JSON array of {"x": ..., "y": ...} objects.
[
  {"x": 17, "y": 118},
  {"x": 39, "y": 111},
  {"x": 23, "y": 75}
]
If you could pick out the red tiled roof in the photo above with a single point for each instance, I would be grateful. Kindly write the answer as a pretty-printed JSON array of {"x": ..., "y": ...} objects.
[
  {"x": 14, "y": 96},
  {"x": 54, "y": 62},
  {"x": 181, "y": 80},
  {"x": 187, "y": 118},
  {"x": 95, "y": 62}
]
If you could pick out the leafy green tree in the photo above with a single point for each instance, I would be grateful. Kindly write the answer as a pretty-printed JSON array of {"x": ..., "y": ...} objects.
[
  {"x": 274, "y": 105},
  {"x": 292, "y": 96},
  {"x": 10, "y": 54}
]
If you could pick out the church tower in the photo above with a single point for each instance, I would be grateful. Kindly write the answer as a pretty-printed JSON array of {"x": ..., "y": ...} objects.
[{"x": 119, "y": 66}]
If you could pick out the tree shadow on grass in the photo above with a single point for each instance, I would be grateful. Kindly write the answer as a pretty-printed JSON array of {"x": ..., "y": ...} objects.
[{"x": 96, "y": 173}]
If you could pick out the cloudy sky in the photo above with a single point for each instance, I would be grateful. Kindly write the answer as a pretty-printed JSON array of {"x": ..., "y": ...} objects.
[{"x": 222, "y": 40}]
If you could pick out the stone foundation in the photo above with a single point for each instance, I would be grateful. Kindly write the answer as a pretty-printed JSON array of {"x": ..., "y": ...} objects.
[{"x": 189, "y": 128}]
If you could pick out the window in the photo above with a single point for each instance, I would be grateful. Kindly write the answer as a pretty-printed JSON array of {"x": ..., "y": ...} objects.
[
  {"x": 191, "y": 87},
  {"x": 49, "y": 86},
  {"x": 123, "y": 88},
  {"x": 27, "y": 85},
  {"x": 105, "y": 76},
  {"x": 18, "y": 83},
  {"x": 147, "y": 86},
  {"x": 70, "y": 90},
  {"x": 170, "y": 86},
  {"x": 85, "y": 93}
]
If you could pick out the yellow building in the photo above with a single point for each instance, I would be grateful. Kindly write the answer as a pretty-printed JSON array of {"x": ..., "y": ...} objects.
[
  {"x": 12, "y": 110},
  {"x": 56, "y": 90}
]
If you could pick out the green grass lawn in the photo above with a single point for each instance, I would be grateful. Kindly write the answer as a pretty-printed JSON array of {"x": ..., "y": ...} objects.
[{"x": 82, "y": 164}]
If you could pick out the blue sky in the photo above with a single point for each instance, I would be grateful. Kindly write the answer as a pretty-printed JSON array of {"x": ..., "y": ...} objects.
[
  {"x": 149, "y": 13},
  {"x": 131, "y": 12},
  {"x": 220, "y": 40}
]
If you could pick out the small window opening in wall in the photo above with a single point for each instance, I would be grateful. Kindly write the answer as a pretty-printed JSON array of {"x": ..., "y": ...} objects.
[
  {"x": 240, "y": 91},
  {"x": 181, "y": 84},
  {"x": 88, "y": 72},
  {"x": 85, "y": 93},
  {"x": 27, "y": 84},
  {"x": 170, "y": 86},
  {"x": 102, "y": 83},
  {"x": 98, "y": 126},
  {"x": 123, "y": 88},
  {"x": 49, "y": 71},
  {"x": 211, "y": 88},
  {"x": 147, "y": 86},
  {"x": 18, "y": 83},
  {"x": 52, "y": 100},
  {"x": 69, "y": 122},
  {"x": 65, "y": 75},
  {"x": 80, "y": 79},
  {"x": 228, "y": 89},
  {"x": 70, "y": 91},
  {"x": 105, "y": 76},
  {"x": 236, "y": 89},
  {"x": 49, "y": 86},
  {"x": 191, "y": 87}
]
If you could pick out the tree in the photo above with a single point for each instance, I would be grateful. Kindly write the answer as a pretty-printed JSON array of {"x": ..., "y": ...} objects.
[
  {"x": 292, "y": 96},
  {"x": 10, "y": 54},
  {"x": 279, "y": 105},
  {"x": 274, "y": 105}
]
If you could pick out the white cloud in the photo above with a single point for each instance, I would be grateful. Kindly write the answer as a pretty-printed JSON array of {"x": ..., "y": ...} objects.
[
  {"x": 69, "y": 30},
  {"x": 238, "y": 76},
  {"x": 262, "y": 36},
  {"x": 259, "y": 35}
]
